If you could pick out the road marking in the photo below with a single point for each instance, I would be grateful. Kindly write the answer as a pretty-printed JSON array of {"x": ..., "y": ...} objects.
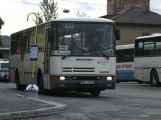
[{"x": 40, "y": 100}]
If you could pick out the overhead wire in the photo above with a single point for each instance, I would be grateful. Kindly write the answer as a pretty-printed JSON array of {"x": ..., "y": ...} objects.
[
  {"x": 29, "y": 3},
  {"x": 84, "y": 3},
  {"x": 36, "y": 4}
]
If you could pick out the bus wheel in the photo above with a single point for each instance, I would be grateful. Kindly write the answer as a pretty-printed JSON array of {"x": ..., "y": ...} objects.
[
  {"x": 17, "y": 81},
  {"x": 95, "y": 93},
  {"x": 154, "y": 78},
  {"x": 139, "y": 81},
  {"x": 40, "y": 83}
]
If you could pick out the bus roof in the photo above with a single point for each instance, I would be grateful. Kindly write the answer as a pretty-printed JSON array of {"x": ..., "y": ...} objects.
[
  {"x": 123, "y": 47},
  {"x": 85, "y": 19},
  {"x": 4, "y": 61},
  {"x": 103, "y": 20},
  {"x": 149, "y": 36},
  {"x": 4, "y": 48}
]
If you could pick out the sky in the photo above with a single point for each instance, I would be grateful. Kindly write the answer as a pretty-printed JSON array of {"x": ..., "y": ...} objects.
[{"x": 14, "y": 12}]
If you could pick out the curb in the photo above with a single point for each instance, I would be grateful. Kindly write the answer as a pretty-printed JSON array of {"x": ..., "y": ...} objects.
[
  {"x": 34, "y": 113},
  {"x": 30, "y": 113}
]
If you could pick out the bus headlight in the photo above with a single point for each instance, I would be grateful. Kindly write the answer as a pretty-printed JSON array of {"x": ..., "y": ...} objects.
[
  {"x": 109, "y": 78},
  {"x": 62, "y": 78}
]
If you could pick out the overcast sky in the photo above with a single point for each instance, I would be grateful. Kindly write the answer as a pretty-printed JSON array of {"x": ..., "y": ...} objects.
[{"x": 14, "y": 12}]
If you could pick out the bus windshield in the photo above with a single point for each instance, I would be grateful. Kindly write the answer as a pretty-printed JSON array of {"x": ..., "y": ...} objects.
[
  {"x": 83, "y": 39},
  {"x": 4, "y": 64}
]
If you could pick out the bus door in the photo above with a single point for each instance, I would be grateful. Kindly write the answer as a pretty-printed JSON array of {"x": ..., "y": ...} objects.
[
  {"x": 23, "y": 46},
  {"x": 48, "y": 36},
  {"x": 25, "y": 52}
]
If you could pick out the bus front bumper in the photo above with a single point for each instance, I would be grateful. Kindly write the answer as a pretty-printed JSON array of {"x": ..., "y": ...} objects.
[{"x": 83, "y": 85}]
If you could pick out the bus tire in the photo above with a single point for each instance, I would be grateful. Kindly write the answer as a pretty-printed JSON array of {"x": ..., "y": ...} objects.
[
  {"x": 40, "y": 83},
  {"x": 154, "y": 78},
  {"x": 139, "y": 81},
  {"x": 95, "y": 93},
  {"x": 17, "y": 81}
]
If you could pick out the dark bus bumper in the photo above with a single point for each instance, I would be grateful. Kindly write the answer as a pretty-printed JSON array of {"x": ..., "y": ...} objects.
[{"x": 83, "y": 85}]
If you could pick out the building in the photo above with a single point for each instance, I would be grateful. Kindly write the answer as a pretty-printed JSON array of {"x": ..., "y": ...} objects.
[
  {"x": 133, "y": 20},
  {"x": 114, "y": 6}
]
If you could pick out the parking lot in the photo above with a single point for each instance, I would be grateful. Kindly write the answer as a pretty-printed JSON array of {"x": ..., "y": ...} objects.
[{"x": 130, "y": 101}]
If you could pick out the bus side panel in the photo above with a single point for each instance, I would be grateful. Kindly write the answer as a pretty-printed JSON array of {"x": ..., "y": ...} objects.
[
  {"x": 15, "y": 64},
  {"x": 28, "y": 66},
  {"x": 138, "y": 69},
  {"x": 27, "y": 69},
  {"x": 151, "y": 63},
  {"x": 143, "y": 67},
  {"x": 125, "y": 75},
  {"x": 125, "y": 71},
  {"x": 113, "y": 65},
  {"x": 146, "y": 74}
]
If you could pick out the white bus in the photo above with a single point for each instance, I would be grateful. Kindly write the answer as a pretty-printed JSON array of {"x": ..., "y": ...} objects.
[
  {"x": 4, "y": 70},
  {"x": 147, "y": 60},
  {"x": 125, "y": 62},
  {"x": 74, "y": 54}
]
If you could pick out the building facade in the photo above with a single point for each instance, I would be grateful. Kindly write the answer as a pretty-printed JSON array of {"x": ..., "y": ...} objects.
[
  {"x": 133, "y": 18},
  {"x": 129, "y": 32},
  {"x": 114, "y": 6}
]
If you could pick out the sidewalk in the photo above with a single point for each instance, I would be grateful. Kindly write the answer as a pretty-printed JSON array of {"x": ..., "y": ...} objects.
[{"x": 14, "y": 106}]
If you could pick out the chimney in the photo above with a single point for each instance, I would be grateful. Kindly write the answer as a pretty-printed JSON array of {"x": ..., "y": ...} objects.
[{"x": 145, "y": 5}]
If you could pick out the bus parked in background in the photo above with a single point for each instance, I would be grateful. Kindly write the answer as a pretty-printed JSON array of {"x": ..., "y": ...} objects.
[
  {"x": 125, "y": 62},
  {"x": 147, "y": 59},
  {"x": 74, "y": 54},
  {"x": 4, "y": 70},
  {"x": 4, "y": 53}
]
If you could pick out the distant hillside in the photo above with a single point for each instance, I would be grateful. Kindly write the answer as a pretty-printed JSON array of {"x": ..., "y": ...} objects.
[{"x": 6, "y": 41}]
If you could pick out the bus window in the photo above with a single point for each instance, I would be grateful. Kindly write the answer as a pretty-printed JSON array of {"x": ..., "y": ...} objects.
[
  {"x": 125, "y": 62},
  {"x": 41, "y": 38}
]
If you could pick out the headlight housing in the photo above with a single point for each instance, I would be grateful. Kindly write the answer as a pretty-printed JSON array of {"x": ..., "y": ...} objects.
[
  {"x": 62, "y": 78},
  {"x": 109, "y": 78}
]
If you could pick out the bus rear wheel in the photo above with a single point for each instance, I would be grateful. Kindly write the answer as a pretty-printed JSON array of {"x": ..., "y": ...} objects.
[
  {"x": 154, "y": 78},
  {"x": 40, "y": 83},
  {"x": 17, "y": 81}
]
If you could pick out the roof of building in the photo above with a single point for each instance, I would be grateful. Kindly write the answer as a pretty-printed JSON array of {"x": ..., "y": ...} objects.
[{"x": 135, "y": 15}]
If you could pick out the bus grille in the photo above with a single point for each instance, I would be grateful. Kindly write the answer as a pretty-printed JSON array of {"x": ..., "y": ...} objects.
[
  {"x": 86, "y": 77},
  {"x": 78, "y": 69}
]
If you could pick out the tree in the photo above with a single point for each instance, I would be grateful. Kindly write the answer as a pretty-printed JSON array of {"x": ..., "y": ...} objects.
[
  {"x": 40, "y": 18},
  {"x": 49, "y": 9},
  {"x": 1, "y": 23}
]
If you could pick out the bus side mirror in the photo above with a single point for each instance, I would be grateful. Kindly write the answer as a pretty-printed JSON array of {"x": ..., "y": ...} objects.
[{"x": 117, "y": 33}]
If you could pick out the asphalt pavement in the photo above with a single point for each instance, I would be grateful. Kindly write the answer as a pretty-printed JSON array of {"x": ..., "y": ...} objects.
[{"x": 16, "y": 106}]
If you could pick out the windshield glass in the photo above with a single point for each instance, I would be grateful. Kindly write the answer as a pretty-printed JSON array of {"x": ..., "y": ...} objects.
[{"x": 83, "y": 39}]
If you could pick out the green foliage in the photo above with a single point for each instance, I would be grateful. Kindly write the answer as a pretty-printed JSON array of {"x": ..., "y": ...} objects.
[
  {"x": 40, "y": 18},
  {"x": 1, "y": 41},
  {"x": 49, "y": 9},
  {"x": 1, "y": 23}
]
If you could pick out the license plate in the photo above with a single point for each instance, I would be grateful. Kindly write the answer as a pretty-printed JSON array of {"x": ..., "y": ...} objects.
[{"x": 86, "y": 82}]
